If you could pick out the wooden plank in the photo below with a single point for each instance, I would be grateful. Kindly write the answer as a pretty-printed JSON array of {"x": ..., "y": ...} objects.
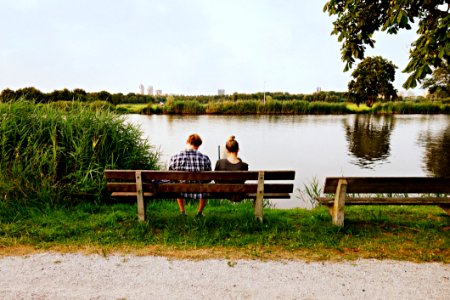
[
  {"x": 148, "y": 175},
  {"x": 140, "y": 197},
  {"x": 200, "y": 188},
  {"x": 339, "y": 203},
  {"x": 212, "y": 196},
  {"x": 389, "y": 201},
  {"x": 446, "y": 208},
  {"x": 259, "y": 197},
  {"x": 390, "y": 185}
]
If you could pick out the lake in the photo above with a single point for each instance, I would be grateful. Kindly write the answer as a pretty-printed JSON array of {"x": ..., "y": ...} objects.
[{"x": 315, "y": 146}]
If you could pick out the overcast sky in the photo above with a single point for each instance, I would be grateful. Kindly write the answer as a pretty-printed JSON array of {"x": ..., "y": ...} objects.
[{"x": 181, "y": 47}]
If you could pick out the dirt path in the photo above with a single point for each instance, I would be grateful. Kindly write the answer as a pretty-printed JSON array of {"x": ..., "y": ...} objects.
[{"x": 77, "y": 276}]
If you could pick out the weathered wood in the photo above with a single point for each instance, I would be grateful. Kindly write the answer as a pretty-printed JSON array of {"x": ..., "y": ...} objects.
[
  {"x": 259, "y": 197},
  {"x": 150, "y": 175},
  {"x": 140, "y": 197},
  {"x": 339, "y": 203},
  {"x": 384, "y": 185},
  {"x": 389, "y": 201},
  {"x": 446, "y": 208},
  {"x": 212, "y": 196},
  {"x": 200, "y": 187},
  {"x": 170, "y": 184},
  {"x": 398, "y": 185}
]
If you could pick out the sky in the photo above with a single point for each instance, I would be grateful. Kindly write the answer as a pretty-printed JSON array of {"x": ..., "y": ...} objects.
[{"x": 190, "y": 47}]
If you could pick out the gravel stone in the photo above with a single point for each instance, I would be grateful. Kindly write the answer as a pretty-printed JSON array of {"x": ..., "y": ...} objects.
[{"x": 78, "y": 276}]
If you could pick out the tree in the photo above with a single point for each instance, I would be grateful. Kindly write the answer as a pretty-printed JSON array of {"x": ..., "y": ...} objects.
[
  {"x": 439, "y": 84},
  {"x": 373, "y": 77},
  {"x": 7, "y": 95},
  {"x": 79, "y": 94},
  {"x": 31, "y": 93},
  {"x": 357, "y": 21}
]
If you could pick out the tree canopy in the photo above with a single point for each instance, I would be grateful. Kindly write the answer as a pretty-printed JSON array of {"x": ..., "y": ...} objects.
[
  {"x": 439, "y": 84},
  {"x": 358, "y": 20},
  {"x": 372, "y": 77}
]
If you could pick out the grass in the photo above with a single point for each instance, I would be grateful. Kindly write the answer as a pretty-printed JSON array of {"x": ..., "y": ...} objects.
[
  {"x": 132, "y": 108},
  {"x": 286, "y": 107},
  {"x": 229, "y": 231},
  {"x": 53, "y": 153}
]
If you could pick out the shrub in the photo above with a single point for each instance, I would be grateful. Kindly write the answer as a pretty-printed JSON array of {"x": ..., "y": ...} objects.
[{"x": 51, "y": 154}]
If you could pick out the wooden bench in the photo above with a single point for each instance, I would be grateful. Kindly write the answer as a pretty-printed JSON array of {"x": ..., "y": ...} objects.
[
  {"x": 364, "y": 188},
  {"x": 170, "y": 185}
]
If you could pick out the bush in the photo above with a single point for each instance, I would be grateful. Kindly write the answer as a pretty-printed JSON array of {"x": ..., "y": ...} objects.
[{"x": 53, "y": 155}]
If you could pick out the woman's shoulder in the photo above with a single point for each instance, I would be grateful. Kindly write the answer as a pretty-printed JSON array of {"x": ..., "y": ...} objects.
[{"x": 244, "y": 166}]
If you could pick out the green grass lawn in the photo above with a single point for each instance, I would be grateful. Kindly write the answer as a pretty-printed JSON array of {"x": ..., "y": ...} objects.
[
  {"x": 133, "y": 108},
  {"x": 230, "y": 231}
]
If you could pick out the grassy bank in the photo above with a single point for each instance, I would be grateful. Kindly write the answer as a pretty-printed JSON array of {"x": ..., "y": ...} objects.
[
  {"x": 253, "y": 107},
  {"x": 230, "y": 231}
]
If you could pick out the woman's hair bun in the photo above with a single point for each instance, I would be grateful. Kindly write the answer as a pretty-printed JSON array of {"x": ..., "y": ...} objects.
[{"x": 231, "y": 138}]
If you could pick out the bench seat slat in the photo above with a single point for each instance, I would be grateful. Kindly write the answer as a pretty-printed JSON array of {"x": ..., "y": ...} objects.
[
  {"x": 148, "y": 175},
  {"x": 200, "y": 188},
  {"x": 222, "y": 196},
  {"x": 388, "y": 201}
]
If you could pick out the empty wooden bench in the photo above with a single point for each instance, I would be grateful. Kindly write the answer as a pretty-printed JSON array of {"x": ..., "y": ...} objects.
[
  {"x": 367, "y": 191},
  {"x": 255, "y": 185}
]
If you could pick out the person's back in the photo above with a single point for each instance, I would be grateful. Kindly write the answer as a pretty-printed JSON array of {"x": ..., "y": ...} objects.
[
  {"x": 232, "y": 163},
  {"x": 225, "y": 165},
  {"x": 191, "y": 160}
]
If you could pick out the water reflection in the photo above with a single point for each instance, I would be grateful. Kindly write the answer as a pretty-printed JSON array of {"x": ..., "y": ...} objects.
[
  {"x": 437, "y": 153},
  {"x": 369, "y": 138},
  {"x": 314, "y": 146}
]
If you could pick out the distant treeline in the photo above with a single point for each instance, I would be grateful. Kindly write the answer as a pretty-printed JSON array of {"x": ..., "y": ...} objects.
[{"x": 31, "y": 93}]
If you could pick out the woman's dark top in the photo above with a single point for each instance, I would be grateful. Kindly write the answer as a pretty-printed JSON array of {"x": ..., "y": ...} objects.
[{"x": 225, "y": 165}]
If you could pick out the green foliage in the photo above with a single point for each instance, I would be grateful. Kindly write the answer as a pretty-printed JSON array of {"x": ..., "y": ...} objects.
[
  {"x": 183, "y": 107},
  {"x": 357, "y": 21},
  {"x": 373, "y": 76},
  {"x": 410, "y": 108},
  {"x": 51, "y": 154},
  {"x": 439, "y": 84}
]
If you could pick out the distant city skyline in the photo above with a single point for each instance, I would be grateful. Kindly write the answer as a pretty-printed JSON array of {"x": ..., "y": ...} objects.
[{"x": 180, "y": 47}]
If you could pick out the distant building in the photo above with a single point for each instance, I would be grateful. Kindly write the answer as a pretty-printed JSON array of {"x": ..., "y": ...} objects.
[
  {"x": 158, "y": 92},
  {"x": 221, "y": 92},
  {"x": 141, "y": 89},
  {"x": 319, "y": 89},
  {"x": 150, "y": 90}
]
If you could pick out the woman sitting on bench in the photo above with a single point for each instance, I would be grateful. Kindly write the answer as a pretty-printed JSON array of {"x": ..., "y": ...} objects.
[{"x": 232, "y": 163}]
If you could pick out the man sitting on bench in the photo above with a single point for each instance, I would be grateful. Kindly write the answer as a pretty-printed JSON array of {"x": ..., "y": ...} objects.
[{"x": 191, "y": 160}]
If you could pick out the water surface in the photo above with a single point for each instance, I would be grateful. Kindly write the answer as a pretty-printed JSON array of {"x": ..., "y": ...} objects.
[{"x": 315, "y": 146}]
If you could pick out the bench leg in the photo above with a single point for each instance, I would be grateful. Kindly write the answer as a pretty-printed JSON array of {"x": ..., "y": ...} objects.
[
  {"x": 446, "y": 208},
  {"x": 259, "y": 197},
  {"x": 140, "y": 197},
  {"x": 339, "y": 203}
]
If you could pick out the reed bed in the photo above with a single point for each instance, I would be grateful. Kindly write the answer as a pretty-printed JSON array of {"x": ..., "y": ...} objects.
[
  {"x": 287, "y": 107},
  {"x": 57, "y": 153},
  {"x": 253, "y": 107}
]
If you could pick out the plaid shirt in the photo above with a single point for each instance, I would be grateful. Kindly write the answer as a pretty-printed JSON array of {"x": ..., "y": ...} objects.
[{"x": 192, "y": 161}]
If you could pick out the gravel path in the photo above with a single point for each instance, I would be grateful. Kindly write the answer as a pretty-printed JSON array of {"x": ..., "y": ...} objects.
[{"x": 77, "y": 276}]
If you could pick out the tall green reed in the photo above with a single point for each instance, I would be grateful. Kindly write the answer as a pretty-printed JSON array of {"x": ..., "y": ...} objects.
[{"x": 54, "y": 154}]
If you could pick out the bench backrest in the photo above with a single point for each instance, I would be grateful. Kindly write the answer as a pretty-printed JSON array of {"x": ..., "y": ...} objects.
[
  {"x": 148, "y": 175},
  {"x": 401, "y": 185},
  {"x": 169, "y": 183}
]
